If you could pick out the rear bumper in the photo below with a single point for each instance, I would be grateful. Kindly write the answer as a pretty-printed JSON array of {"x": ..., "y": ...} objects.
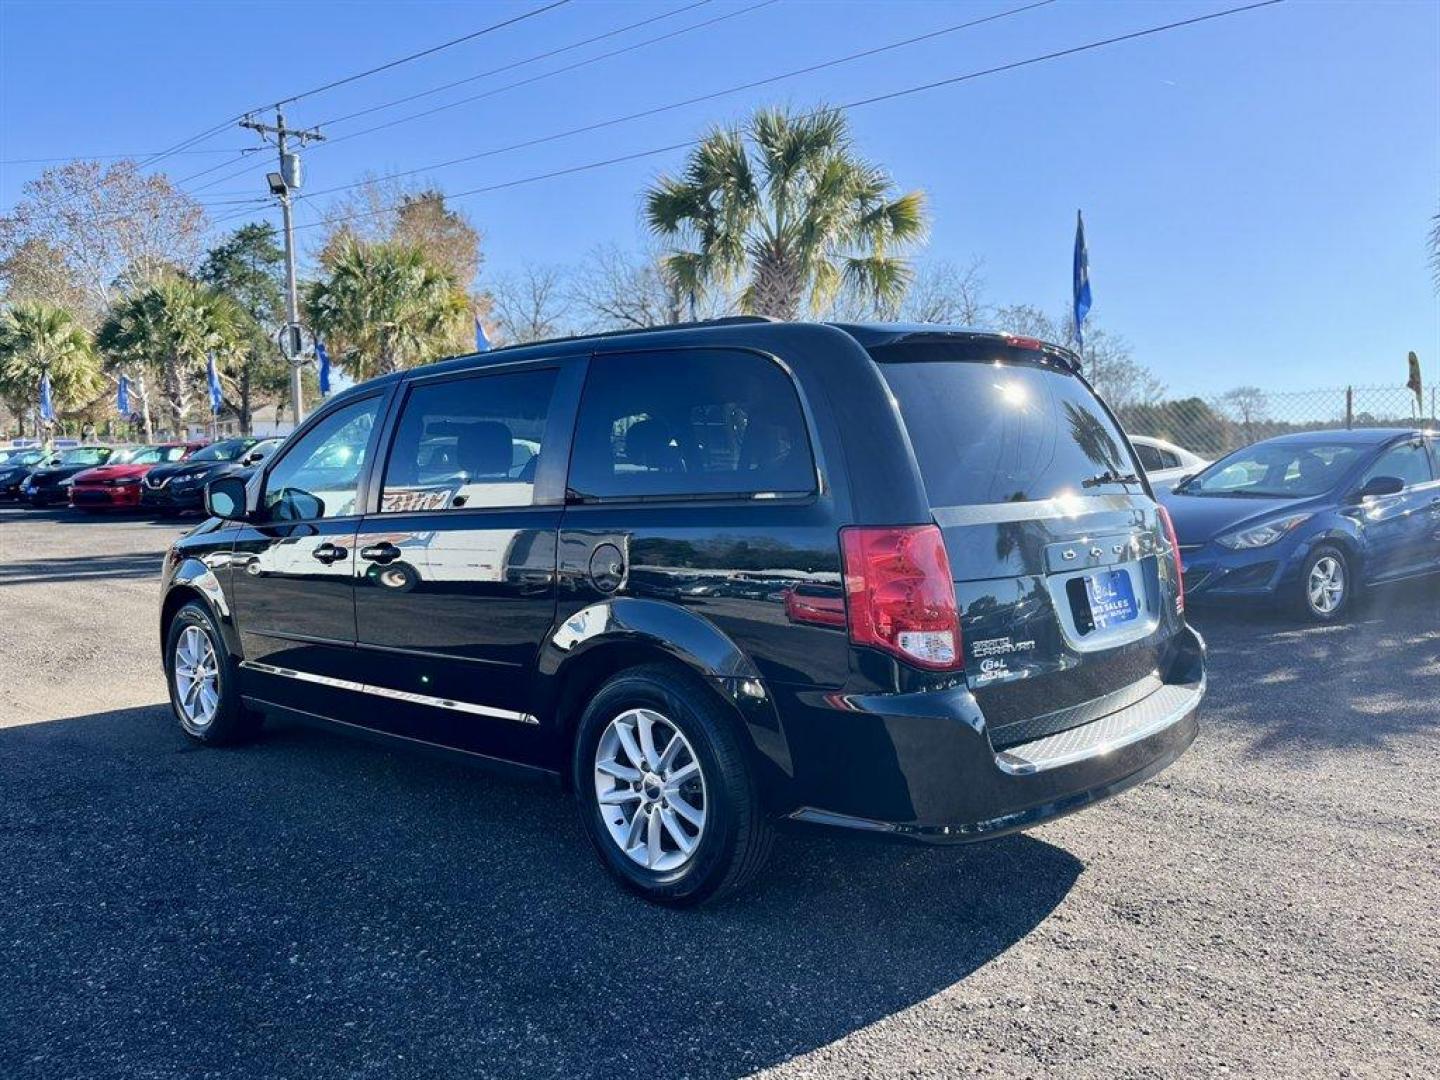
[{"x": 940, "y": 780}]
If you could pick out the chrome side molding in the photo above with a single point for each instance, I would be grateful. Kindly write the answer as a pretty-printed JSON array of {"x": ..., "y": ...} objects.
[{"x": 394, "y": 695}]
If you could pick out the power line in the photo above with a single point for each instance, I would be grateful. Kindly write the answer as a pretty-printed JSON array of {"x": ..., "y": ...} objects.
[
  {"x": 186, "y": 145},
  {"x": 472, "y": 78},
  {"x": 670, "y": 107},
  {"x": 106, "y": 157},
  {"x": 550, "y": 74},
  {"x": 890, "y": 96},
  {"x": 518, "y": 63},
  {"x": 417, "y": 55}
]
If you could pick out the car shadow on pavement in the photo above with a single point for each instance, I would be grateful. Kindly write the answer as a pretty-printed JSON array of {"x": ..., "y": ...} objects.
[
  {"x": 1358, "y": 683},
  {"x": 136, "y": 564},
  {"x": 313, "y": 905}
]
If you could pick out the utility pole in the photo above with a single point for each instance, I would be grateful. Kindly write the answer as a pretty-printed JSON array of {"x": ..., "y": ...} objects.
[{"x": 288, "y": 179}]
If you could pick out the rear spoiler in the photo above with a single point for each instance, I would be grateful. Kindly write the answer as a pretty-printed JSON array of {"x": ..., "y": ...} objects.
[{"x": 1058, "y": 354}]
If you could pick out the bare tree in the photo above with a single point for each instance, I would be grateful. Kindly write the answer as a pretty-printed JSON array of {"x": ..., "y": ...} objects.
[
  {"x": 1106, "y": 358},
  {"x": 947, "y": 292},
  {"x": 1248, "y": 405},
  {"x": 113, "y": 227},
  {"x": 530, "y": 305},
  {"x": 615, "y": 289}
]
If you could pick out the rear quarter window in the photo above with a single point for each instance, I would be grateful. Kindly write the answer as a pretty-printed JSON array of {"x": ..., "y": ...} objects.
[{"x": 690, "y": 422}]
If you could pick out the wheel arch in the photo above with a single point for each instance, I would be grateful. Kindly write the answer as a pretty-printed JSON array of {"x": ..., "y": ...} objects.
[
  {"x": 608, "y": 637},
  {"x": 193, "y": 580}
]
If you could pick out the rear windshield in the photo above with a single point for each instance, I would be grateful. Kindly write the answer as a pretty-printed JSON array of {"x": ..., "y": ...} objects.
[{"x": 995, "y": 423}]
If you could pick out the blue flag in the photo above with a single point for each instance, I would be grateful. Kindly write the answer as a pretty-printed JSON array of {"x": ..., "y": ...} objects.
[
  {"x": 1082, "y": 280},
  {"x": 47, "y": 406},
  {"x": 214, "y": 380},
  {"x": 482, "y": 343},
  {"x": 322, "y": 359},
  {"x": 122, "y": 396}
]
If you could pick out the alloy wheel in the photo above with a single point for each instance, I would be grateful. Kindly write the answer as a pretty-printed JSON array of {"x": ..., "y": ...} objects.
[
  {"x": 197, "y": 677},
  {"x": 650, "y": 789},
  {"x": 1325, "y": 587}
]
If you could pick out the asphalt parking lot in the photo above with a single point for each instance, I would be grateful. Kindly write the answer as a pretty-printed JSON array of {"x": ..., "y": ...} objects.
[{"x": 313, "y": 906}]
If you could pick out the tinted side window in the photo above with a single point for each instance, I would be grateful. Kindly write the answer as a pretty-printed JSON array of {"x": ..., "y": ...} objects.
[
  {"x": 468, "y": 443},
  {"x": 1409, "y": 462},
  {"x": 1149, "y": 456},
  {"x": 319, "y": 475},
  {"x": 690, "y": 422}
]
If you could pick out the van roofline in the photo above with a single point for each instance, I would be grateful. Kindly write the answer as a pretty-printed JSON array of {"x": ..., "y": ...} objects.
[{"x": 867, "y": 335}]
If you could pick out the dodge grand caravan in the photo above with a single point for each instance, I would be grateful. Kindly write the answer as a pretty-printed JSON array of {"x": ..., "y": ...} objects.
[{"x": 717, "y": 578}]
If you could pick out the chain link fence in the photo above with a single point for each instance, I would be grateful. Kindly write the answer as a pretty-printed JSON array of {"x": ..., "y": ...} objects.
[{"x": 1214, "y": 426}]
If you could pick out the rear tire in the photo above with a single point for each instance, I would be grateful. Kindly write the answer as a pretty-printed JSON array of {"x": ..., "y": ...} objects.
[
  {"x": 201, "y": 675},
  {"x": 1327, "y": 589},
  {"x": 676, "y": 835}
]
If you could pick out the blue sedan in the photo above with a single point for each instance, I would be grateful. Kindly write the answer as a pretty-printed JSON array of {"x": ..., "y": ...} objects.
[{"x": 1311, "y": 519}]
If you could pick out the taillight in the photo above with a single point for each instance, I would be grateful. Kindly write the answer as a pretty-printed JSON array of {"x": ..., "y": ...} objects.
[
  {"x": 899, "y": 594},
  {"x": 1179, "y": 565}
]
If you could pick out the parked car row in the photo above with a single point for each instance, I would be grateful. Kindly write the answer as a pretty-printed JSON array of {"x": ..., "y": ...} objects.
[
  {"x": 166, "y": 477},
  {"x": 1311, "y": 520}
]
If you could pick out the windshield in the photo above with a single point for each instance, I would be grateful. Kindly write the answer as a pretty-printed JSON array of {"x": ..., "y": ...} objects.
[
  {"x": 86, "y": 455},
  {"x": 154, "y": 455},
  {"x": 228, "y": 450},
  {"x": 25, "y": 457},
  {"x": 1276, "y": 470},
  {"x": 994, "y": 423}
]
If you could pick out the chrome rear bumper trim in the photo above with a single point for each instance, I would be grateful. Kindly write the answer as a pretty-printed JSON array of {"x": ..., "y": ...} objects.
[{"x": 1154, "y": 714}]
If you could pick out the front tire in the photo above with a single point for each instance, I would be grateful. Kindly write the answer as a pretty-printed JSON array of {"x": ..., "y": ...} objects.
[
  {"x": 1327, "y": 587},
  {"x": 665, "y": 791},
  {"x": 201, "y": 674}
]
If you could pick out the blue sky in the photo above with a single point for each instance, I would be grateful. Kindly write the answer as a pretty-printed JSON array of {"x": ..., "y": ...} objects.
[{"x": 1256, "y": 189}]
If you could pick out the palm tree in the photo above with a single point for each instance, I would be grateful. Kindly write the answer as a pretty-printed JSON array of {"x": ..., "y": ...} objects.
[
  {"x": 36, "y": 337},
  {"x": 384, "y": 307},
  {"x": 787, "y": 206},
  {"x": 168, "y": 327}
]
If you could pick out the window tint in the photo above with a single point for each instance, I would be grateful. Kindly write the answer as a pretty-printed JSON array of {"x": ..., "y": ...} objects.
[
  {"x": 319, "y": 475},
  {"x": 468, "y": 443},
  {"x": 991, "y": 424},
  {"x": 690, "y": 422},
  {"x": 1409, "y": 462},
  {"x": 1150, "y": 458},
  {"x": 1277, "y": 470},
  {"x": 1169, "y": 460}
]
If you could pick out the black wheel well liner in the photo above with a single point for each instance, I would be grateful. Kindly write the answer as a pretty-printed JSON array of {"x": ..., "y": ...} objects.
[
  {"x": 179, "y": 595},
  {"x": 578, "y": 680}
]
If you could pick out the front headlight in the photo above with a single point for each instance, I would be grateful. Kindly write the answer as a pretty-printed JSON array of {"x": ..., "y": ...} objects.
[{"x": 1258, "y": 536}]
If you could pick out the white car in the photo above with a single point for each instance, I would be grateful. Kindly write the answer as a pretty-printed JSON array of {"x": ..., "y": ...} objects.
[{"x": 1165, "y": 463}]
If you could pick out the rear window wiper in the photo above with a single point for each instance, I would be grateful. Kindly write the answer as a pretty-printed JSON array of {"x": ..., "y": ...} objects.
[{"x": 1109, "y": 476}]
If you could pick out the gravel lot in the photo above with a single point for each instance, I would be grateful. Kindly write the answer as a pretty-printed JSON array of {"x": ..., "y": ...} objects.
[{"x": 314, "y": 906}]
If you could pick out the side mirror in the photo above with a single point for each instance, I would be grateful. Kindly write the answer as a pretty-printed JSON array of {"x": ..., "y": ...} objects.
[
  {"x": 225, "y": 498},
  {"x": 253, "y": 457},
  {"x": 1380, "y": 486}
]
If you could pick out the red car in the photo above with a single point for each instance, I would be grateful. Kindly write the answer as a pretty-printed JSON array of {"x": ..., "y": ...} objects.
[{"x": 109, "y": 487}]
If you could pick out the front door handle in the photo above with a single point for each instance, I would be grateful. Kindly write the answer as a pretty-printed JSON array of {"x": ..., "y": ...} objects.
[
  {"x": 381, "y": 553},
  {"x": 329, "y": 553}
]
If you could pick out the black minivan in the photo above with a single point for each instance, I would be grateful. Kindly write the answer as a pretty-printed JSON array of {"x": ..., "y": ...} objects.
[{"x": 717, "y": 578}]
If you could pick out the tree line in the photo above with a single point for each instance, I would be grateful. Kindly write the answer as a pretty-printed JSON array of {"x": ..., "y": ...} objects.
[{"x": 105, "y": 274}]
